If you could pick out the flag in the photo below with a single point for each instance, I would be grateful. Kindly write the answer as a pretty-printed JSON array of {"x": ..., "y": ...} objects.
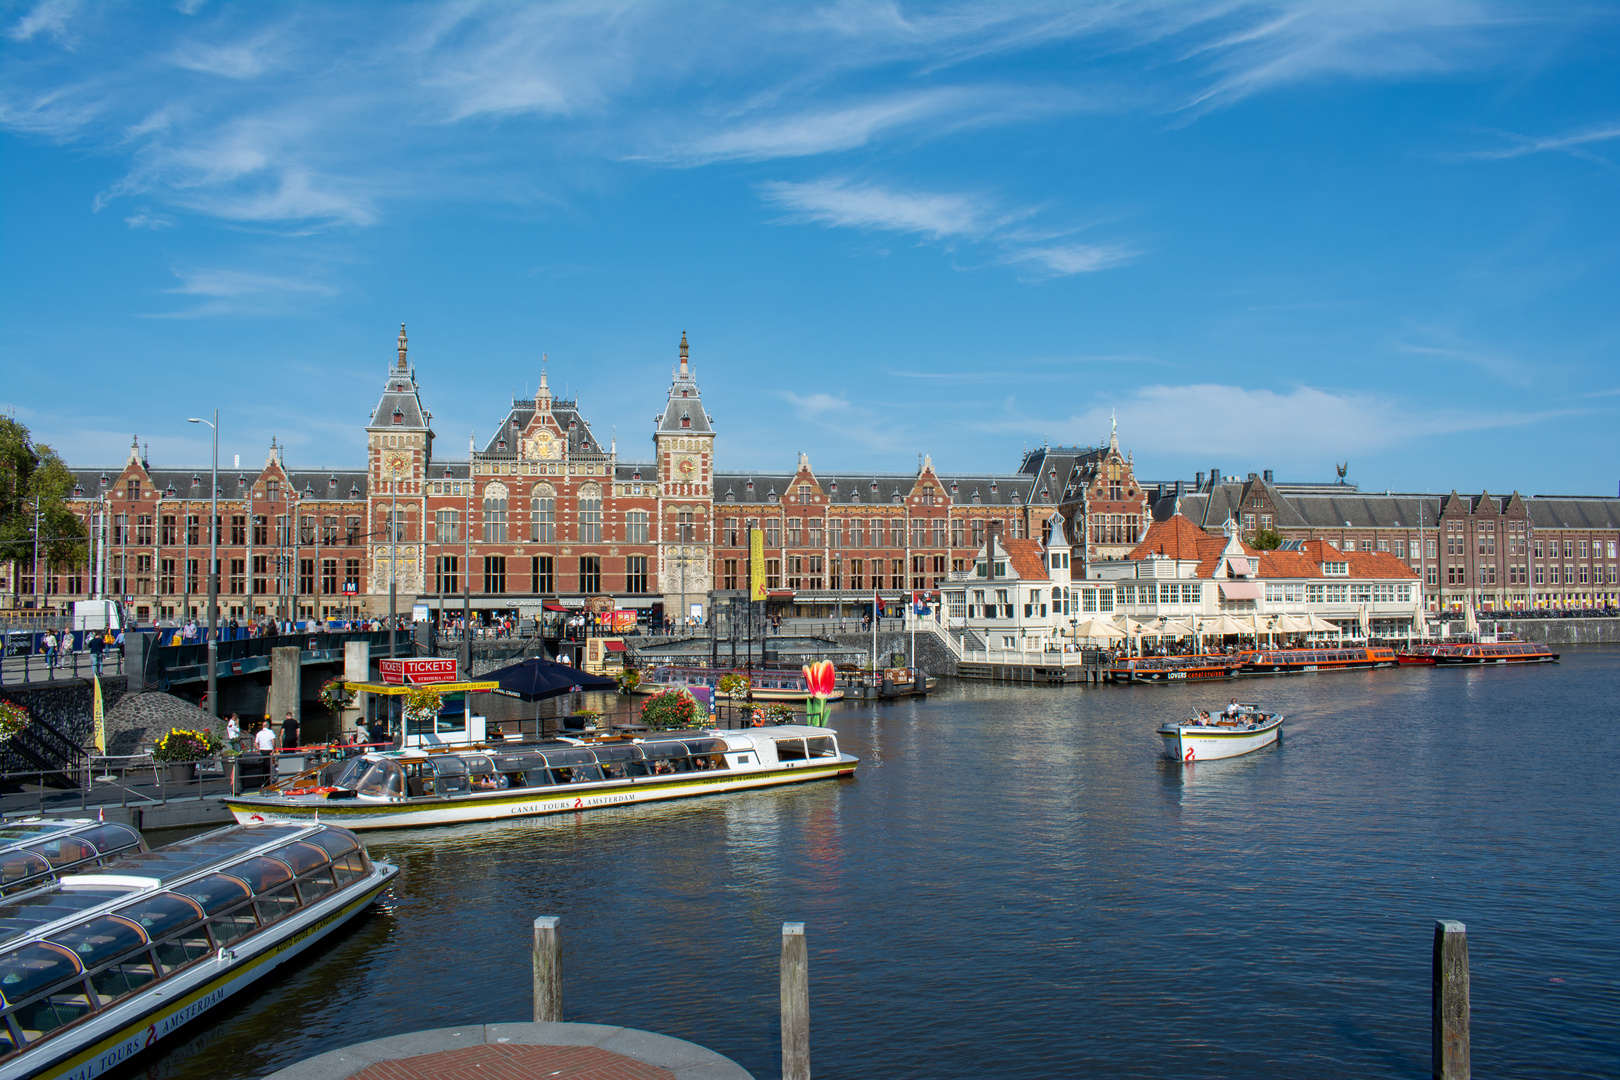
[
  {"x": 100, "y": 715},
  {"x": 918, "y": 605}
]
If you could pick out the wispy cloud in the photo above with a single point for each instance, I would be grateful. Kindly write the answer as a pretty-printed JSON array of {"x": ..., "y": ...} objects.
[
  {"x": 941, "y": 216},
  {"x": 238, "y": 292},
  {"x": 48, "y": 18},
  {"x": 1572, "y": 142}
]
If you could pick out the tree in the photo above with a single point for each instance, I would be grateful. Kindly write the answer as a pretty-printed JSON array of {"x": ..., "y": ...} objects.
[
  {"x": 29, "y": 470},
  {"x": 1266, "y": 540}
]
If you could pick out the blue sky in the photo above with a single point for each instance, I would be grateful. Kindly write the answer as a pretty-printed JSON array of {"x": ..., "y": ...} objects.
[{"x": 1264, "y": 235}]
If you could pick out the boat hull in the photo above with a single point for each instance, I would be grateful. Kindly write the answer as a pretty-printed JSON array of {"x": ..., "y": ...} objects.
[
  {"x": 1186, "y": 743},
  {"x": 360, "y": 814},
  {"x": 1493, "y": 661},
  {"x": 1184, "y": 675},
  {"x": 799, "y": 696},
  {"x": 113, "y": 1037}
]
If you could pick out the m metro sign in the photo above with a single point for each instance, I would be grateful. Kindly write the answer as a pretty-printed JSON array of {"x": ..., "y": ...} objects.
[{"x": 416, "y": 672}]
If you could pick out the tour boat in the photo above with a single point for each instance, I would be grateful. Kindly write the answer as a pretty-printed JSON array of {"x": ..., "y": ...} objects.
[
  {"x": 1500, "y": 652},
  {"x": 1420, "y": 655},
  {"x": 1163, "y": 669},
  {"x": 1222, "y": 737},
  {"x": 98, "y": 966},
  {"x": 407, "y": 788},
  {"x": 1298, "y": 661},
  {"x": 35, "y": 851},
  {"x": 767, "y": 684}
]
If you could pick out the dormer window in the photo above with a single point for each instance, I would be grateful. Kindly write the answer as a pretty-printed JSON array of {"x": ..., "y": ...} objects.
[
  {"x": 354, "y": 492},
  {"x": 854, "y": 496},
  {"x": 500, "y": 444},
  {"x": 636, "y": 475},
  {"x": 953, "y": 488},
  {"x": 992, "y": 489},
  {"x": 975, "y": 494},
  {"x": 1335, "y": 569},
  {"x": 331, "y": 482},
  {"x": 731, "y": 496},
  {"x": 399, "y": 415},
  {"x": 686, "y": 420},
  {"x": 171, "y": 490},
  {"x": 447, "y": 475},
  {"x": 195, "y": 480},
  {"x": 874, "y": 485},
  {"x": 834, "y": 487},
  {"x": 685, "y": 393},
  {"x": 78, "y": 489},
  {"x": 750, "y": 485}
]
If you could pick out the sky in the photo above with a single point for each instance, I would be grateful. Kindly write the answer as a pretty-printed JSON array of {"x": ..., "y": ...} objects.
[{"x": 1257, "y": 235}]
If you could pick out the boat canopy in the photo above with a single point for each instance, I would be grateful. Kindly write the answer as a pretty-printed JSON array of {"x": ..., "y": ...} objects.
[
  {"x": 85, "y": 943},
  {"x": 34, "y": 852}
]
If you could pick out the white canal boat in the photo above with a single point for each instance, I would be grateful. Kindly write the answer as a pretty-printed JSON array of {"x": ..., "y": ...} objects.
[
  {"x": 414, "y": 787},
  {"x": 1206, "y": 738},
  {"x": 35, "y": 850},
  {"x": 98, "y": 966}
]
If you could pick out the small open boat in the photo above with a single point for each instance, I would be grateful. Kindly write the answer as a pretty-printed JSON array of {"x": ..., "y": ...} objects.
[{"x": 1204, "y": 738}]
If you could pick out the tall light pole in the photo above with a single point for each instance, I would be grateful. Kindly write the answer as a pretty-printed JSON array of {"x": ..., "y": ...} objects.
[
  {"x": 393, "y": 556},
  {"x": 213, "y": 572}
]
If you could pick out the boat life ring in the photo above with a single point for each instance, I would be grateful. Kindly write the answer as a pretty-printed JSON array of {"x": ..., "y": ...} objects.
[{"x": 1188, "y": 756}]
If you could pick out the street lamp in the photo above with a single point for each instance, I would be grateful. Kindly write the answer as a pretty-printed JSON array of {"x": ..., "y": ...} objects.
[{"x": 213, "y": 573}]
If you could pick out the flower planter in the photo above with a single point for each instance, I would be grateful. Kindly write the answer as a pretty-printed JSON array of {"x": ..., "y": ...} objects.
[{"x": 182, "y": 772}]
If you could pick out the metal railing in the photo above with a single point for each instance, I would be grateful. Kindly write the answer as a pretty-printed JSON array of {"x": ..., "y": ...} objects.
[
  {"x": 107, "y": 781},
  {"x": 41, "y": 667}
]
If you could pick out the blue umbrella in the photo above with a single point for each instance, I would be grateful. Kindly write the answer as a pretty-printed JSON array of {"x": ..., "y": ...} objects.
[{"x": 534, "y": 679}]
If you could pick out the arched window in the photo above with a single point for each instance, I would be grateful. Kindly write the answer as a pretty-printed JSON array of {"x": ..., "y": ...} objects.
[
  {"x": 543, "y": 514},
  {"x": 590, "y": 514},
  {"x": 495, "y": 514}
]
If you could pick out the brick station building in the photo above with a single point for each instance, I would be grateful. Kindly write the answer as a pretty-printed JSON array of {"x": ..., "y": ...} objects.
[{"x": 543, "y": 514}]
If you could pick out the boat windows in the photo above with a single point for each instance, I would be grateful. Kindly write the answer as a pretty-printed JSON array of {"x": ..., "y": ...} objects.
[
  {"x": 617, "y": 753},
  {"x": 114, "y": 951},
  {"x": 350, "y": 867},
  {"x": 791, "y": 750},
  {"x": 19, "y": 866},
  {"x": 302, "y": 857},
  {"x": 21, "y": 915},
  {"x": 216, "y": 892},
  {"x": 335, "y": 841},
  {"x": 554, "y": 758},
  {"x": 382, "y": 779},
  {"x": 342, "y": 774},
  {"x": 163, "y": 914},
  {"x": 62, "y": 851},
  {"x": 34, "y": 968},
  {"x": 110, "y": 839},
  {"x": 706, "y": 746},
  {"x": 822, "y": 746},
  {"x": 578, "y": 774}
]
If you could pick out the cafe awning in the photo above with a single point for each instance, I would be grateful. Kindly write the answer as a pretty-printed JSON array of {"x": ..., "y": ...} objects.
[
  {"x": 1243, "y": 590},
  {"x": 613, "y": 646}
]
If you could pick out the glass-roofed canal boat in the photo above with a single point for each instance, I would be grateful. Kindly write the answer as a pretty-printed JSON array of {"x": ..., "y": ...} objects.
[
  {"x": 34, "y": 851},
  {"x": 412, "y": 787},
  {"x": 99, "y": 965}
]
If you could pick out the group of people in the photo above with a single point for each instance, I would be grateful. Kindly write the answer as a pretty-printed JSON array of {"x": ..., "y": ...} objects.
[
  {"x": 95, "y": 642},
  {"x": 1232, "y": 712}
]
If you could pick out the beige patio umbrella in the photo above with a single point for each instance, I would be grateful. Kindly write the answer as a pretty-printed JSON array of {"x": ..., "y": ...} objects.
[
  {"x": 1293, "y": 624},
  {"x": 1106, "y": 629},
  {"x": 1175, "y": 628},
  {"x": 1319, "y": 624},
  {"x": 1221, "y": 625}
]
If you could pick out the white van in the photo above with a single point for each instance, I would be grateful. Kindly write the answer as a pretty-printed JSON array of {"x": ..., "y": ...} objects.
[{"x": 98, "y": 615}]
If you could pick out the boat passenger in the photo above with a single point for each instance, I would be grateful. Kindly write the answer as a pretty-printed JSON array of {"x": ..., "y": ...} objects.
[{"x": 1234, "y": 708}]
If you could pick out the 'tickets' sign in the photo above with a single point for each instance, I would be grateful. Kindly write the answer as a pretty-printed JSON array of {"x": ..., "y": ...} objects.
[{"x": 417, "y": 672}]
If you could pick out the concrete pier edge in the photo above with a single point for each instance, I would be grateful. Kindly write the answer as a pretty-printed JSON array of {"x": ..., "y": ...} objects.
[{"x": 685, "y": 1060}]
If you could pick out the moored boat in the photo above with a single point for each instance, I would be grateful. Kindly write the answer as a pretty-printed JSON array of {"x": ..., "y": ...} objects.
[
  {"x": 34, "y": 851},
  {"x": 1226, "y": 735},
  {"x": 1164, "y": 669},
  {"x": 766, "y": 684},
  {"x": 408, "y": 788},
  {"x": 98, "y": 966},
  {"x": 1420, "y": 655},
  {"x": 1499, "y": 652},
  {"x": 1301, "y": 661},
  {"x": 886, "y": 683}
]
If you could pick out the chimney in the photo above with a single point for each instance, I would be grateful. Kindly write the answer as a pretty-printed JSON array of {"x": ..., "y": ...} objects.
[
  {"x": 1267, "y": 475},
  {"x": 1253, "y": 477},
  {"x": 1198, "y": 481},
  {"x": 1178, "y": 489},
  {"x": 1214, "y": 477}
]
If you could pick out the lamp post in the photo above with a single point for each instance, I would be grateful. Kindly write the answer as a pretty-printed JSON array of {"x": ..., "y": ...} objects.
[{"x": 213, "y": 572}]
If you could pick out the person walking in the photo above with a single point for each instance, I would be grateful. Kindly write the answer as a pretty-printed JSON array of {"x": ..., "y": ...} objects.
[
  {"x": 289, "y": 732},
  {"x": 48, "y": 643},
  {"x": 233, "y": 734},
  {"x": 264, "y": 740},
  {"x": 97, "y": 644}
]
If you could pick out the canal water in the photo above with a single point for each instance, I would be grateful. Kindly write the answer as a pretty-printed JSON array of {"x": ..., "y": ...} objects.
[{"x": 1017, "y": 885}]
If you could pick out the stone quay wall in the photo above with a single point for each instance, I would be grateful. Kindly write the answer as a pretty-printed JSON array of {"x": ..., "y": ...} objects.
[{"x": 1565, "y": 631}]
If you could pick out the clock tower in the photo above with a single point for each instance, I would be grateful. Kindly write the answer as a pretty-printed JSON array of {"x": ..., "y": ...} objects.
[
  {"x": 399, "y": 446},
  {"x": 684, "y": 440}
]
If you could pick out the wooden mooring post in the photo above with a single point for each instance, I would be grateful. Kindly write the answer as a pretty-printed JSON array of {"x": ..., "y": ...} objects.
[
  {"x": 547, "y": 970},
  {"x": 1449, "y": 1002},
  {"x": 795, "y": 1003}
]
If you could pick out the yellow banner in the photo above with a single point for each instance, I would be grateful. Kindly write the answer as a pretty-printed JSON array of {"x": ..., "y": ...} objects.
[
  {"x": 394, "y": 690},
  {"x": 756, "y": 564},
  {"x": 100, "y": 714}
]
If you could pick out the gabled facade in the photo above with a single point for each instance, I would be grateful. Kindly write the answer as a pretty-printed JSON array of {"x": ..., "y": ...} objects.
[{"x": 1016, "y": 595}]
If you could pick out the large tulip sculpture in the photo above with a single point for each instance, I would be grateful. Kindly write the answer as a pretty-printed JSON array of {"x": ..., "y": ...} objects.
[{"x": 819, "y": 678}]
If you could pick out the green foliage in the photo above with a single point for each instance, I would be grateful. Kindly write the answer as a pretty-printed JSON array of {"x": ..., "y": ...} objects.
[
  {"x": 629, "y": 679},
  {"x": 779, "y": 712},
  {"x": 733, "y": 684},
  {"x": 27, "y": 470},
  {"x": 1266, "y": 540},
  {"x": 333, "y": 696},
  {"x": 183, "y": 744},
  {"x": 422, "y": 705}
]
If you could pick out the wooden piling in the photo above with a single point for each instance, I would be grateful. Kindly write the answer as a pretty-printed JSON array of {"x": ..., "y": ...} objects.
[
  {"x": 795, "y": 1003},
  {"x": 1449, "y": 1002},
  {"x": 547, "y": 970}
]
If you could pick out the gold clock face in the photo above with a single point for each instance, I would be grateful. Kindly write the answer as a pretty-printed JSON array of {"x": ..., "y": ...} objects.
[
  {"x": 396, "y": 464},
  {"x": 686, "y": 467}
]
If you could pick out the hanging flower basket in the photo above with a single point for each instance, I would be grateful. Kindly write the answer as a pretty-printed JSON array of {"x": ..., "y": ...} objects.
[
  {"x": 779, "y": 712},
  {"x": 334, "y": 697},
  {"x": 13, "y": 718},
  {"x": 733, "y": 684},
  {"x": 183, "y": 745},
  {"x": 629, "y": 679},
  {"x": 422, "y": 704},
  {"x": 671, "y": 709}
]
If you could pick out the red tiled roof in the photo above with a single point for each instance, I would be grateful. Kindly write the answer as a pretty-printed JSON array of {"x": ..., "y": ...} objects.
[
  {"x": 1179, "y": 538},
  {"x": 1026, "y": 559},
  {"x": 1175, "y": 538}
]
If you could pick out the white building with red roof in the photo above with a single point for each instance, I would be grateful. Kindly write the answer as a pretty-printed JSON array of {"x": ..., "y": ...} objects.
[
  {"x": 1017, "y": 596},
  {"x": 1182, "y": 572}
]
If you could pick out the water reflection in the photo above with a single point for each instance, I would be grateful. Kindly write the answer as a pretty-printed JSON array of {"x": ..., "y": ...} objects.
[{"x": 1017, "y": 884}]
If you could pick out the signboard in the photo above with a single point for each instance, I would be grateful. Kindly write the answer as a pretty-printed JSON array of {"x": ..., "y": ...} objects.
[
  {"x": 350, "y": 588},
  {"x": 621, "y": 622},
  {"x": 419, "y": 613},
  {"x": 756, "y": 564},
  {"x": 417, "y": 672}
]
